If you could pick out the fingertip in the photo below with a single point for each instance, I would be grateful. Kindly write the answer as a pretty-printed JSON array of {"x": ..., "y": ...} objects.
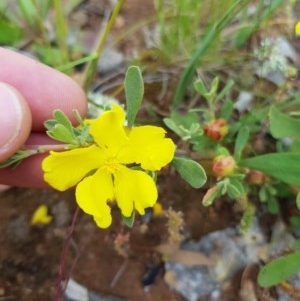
[{"x": 15, "y": 121}]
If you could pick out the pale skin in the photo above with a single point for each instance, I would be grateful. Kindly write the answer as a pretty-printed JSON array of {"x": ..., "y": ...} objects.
[{"x": 29, "y": 92}]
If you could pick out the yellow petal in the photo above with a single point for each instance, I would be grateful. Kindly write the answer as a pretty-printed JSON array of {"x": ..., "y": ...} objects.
[
  {"x": 63, "y": 170},
  {"x": 148, "y": 146},
  {"x": 92, "y": 195},
  {"x": 297, "y": 29},
  {"x": 134, "y": 189},
  {"x": 108, "y": 130},
  {"x": 40, "y": 216}
]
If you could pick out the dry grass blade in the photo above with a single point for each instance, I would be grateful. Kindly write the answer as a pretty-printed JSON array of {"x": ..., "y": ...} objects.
[{"x": 184, "y": 257}]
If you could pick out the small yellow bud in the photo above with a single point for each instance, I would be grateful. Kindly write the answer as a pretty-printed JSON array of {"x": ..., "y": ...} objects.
[
  {"x": 40, "y": 216},
  {"x": 223, "y": 165},
  {"x": 157, "y": 209}
]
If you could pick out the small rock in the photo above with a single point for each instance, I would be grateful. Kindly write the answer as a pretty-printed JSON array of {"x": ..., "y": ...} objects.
[
  {"x": 17, "y": 230},
  {"x": 61, "y": 213},
  {"x": 110, "y": 60}
]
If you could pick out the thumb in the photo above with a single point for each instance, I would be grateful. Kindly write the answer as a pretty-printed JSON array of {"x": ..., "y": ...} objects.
[{"x": 15, "y": 121}]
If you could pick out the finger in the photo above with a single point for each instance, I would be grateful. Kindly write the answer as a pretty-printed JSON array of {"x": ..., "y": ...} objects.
[
  {"x": 15, "y": 121},
  {"x": 29, "y": 172},
  {"x": 44, "y": 88}
]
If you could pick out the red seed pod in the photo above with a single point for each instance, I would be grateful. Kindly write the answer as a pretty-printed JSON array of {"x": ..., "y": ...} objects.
[
  {"x": 256, "y": 177},
  {"x": 216, "y": 129},
  {"x": 223, "y": 165}
]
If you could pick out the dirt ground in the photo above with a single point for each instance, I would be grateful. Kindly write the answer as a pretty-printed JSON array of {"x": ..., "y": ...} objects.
[{"x": 30, "y": 255}]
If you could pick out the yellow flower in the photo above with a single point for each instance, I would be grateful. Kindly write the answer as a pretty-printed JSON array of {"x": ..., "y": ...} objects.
[
  {"x": 40, "y": 216},
  {"x": 101, "y": 169},
  {"x": 297, "y": 28}
]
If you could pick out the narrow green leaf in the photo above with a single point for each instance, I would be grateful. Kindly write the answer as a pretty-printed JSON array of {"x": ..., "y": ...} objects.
[
  {"x": 129, "y": 221},
  {"x": 226, "y": 110},
  {"x": 282, "y": 125},
  {"x": 204, "y": 45},
  {"x": 225, "y": 90},
  {"x": 16, "y": 158},
  {"x": 214, "y": 86},
  {"x": 241, "y": 141},
  {"x": 134, "y": 91},
  {"x": 61, "y": 28},
  {"x": 77, "y": 62},
  {"x": 282, "y": 166},
  {"x": 27, "y": 10},
  {"x": 279, "y": 270},
  {"x": 191, "y": 171}
]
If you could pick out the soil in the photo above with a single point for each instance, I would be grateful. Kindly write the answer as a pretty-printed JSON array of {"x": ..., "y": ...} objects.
[{"x": 30, "y": 256}]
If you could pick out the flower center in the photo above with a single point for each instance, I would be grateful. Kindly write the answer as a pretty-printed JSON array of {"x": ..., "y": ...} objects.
[{"x": 112, "y": 165}]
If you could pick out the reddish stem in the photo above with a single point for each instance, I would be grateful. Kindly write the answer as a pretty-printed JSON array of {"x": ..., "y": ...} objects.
[{"x": 64, "y": 256}]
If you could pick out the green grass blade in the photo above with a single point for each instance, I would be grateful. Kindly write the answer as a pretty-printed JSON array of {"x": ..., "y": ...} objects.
[
  {"x": 61, "y": 30},
  {"x": 91, "y": 67},
  {"x": 212, "y": 33}
]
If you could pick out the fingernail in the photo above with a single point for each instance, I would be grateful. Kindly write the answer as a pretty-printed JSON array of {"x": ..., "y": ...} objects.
[{"x": 10, "y": 115}]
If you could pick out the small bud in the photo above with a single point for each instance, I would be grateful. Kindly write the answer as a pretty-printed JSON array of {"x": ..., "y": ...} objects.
[
  {"x": 223, "y": 166},
  {"x": 256, "y": 177},
  {"x": 41, "y": 216},
  {"x": 210, "y": 196},
  {"x": 216, "y": 129}
]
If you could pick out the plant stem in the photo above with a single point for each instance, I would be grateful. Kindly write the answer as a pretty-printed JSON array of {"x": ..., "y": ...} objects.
[
  {"x": 91, "y": 67},
  {"x": 40, "y": 149},
  {"x": 64, "y": 256}
]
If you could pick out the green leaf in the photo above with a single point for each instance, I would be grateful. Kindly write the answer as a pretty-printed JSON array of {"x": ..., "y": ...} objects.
[
  {"x": 134, "y": 91},
  {"x": 10, "y": 33},
  {"x": 129, "y": 221},
  {"x": 16, "y": 158},
  {"x": 247, "y": 218},
  {"x": 282, "y": 166},
  {"x": 172, "y": 126},
  {"x": 50, "y": 124},
  {"x": 61, "y": 133},
  {"x": 298, "y": 200},
  {"x": 225, "y": 90},
  {"x": 282, "y": 125},
  {"x": 214, "y": 87},
  {"x": 279, "y": 270},
  {"x": 191, "y": 171},
  {"x": 27, "y": 10},
  {"x": 200, "y": 87},
  {"x": 273, "y": 206},
  {"x": 62, "y": 119},
  {"x": 235, "y": 188},
  {"x": 226, "y": 110},
  {"x": 241, "y": 141}
]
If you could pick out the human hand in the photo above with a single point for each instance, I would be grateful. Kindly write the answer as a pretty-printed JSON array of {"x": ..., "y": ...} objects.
[{"x": 29, "y": 93}]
